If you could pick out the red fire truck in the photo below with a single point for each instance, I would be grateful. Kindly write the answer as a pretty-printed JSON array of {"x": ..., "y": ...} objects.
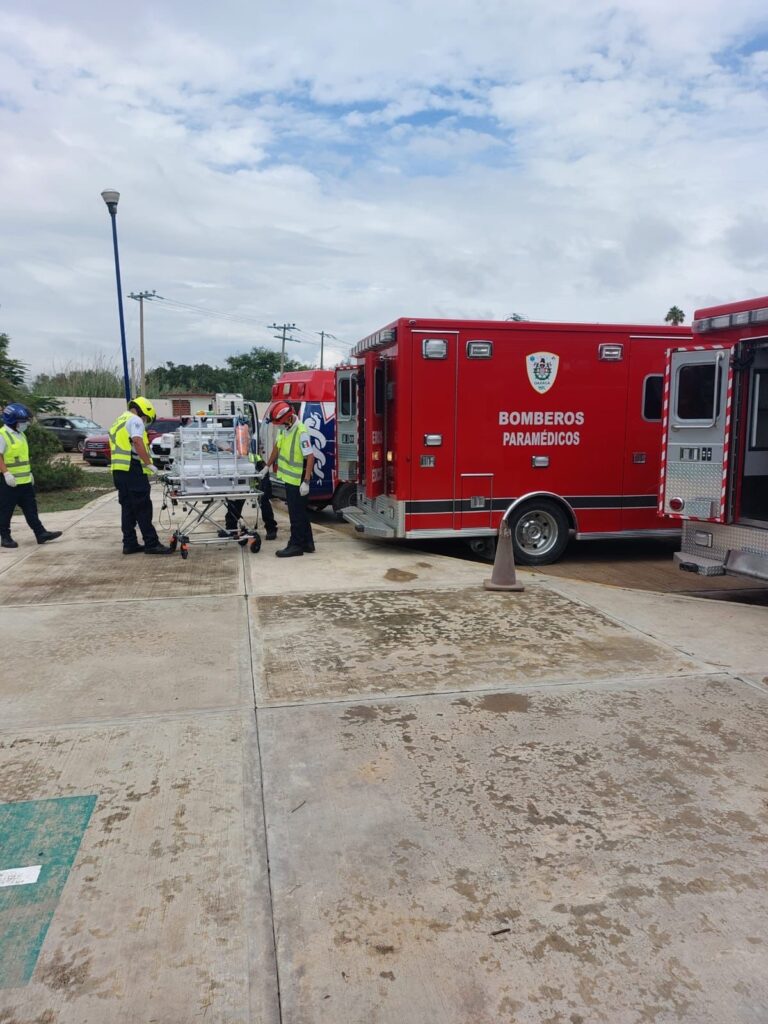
[
  {"x": 714, "y": 471},
  {"x": 457, "y": 423}
]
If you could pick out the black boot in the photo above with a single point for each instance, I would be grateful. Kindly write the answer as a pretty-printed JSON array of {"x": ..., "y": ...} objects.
[
  {"x": 8, "y": 542},
  {"x": 132, "y": 549},
  {"x": 48, "y": 535},
  {"x": 157, "y": 549},
  {"x": 290, "y": 552}
]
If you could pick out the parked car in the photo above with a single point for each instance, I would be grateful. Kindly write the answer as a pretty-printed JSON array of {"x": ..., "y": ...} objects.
[
  {"x": 96, "y": 449},
  {"x": 72, "y": 431}
]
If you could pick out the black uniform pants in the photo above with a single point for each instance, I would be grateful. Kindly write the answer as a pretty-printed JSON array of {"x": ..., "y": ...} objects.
[
  {"x": 301, "y": 528},
  {"x": 22, "y": 495},
  {"x": 135, "y": 505},
  {"x": 235, "y": 509}
]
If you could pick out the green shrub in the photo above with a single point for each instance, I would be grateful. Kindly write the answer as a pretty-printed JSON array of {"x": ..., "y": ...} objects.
[
  {"x": 57, "y": 476},
  {"x": 49, "y": 475}
]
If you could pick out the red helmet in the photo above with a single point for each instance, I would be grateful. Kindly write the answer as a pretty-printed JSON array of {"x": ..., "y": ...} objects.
[{"x": 280, "y": 412}]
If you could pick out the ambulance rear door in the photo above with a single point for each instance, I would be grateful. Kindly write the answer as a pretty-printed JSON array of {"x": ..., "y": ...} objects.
[{"x": 697, "y": 426}]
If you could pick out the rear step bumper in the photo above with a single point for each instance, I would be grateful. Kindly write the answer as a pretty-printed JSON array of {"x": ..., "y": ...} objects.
[
  {"x": 368, "y": 522},
  {"x": 699, "y": 564}
]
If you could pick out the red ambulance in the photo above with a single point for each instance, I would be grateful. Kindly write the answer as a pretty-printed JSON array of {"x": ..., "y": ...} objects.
[
  {"x": 312, "y": 394},
  {"x": 448, "y": 425},
  {"x": 714, "y": 472}
]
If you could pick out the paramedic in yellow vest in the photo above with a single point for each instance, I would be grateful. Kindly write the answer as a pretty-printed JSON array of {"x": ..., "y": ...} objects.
[
  {"x": 131, "y": 470},
  {"x": 293, "y": 453},
  {"x": 17, "y": 485}
]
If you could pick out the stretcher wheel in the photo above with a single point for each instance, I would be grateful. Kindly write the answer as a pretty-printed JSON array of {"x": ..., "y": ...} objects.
[
  {"x": 255, "y": 544},
  {"x": 184, "y": 551},
  {"x": 243, "y": 541},
  {"x": 173, "y": 543}
]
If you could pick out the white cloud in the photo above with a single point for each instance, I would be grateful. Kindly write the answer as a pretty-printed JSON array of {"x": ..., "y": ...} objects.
[{"x": 343, "y": 164}]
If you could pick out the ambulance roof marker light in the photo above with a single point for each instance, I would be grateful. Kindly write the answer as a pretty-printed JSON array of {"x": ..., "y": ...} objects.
[
  {"x": 742, "y": 318},
  {"x": 434, "y": 348}
]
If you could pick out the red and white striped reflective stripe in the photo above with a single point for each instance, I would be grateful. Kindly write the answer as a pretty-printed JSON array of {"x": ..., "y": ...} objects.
[
  {"x": 726, "y": 440},
  {"x": 664, "y": 422}
]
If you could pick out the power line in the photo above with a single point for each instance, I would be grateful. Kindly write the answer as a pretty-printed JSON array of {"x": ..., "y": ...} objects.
[{"x": 203, "y": 311}]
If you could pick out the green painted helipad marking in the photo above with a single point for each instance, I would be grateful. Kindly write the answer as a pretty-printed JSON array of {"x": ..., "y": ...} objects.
[{"x": 35, "y": 833}]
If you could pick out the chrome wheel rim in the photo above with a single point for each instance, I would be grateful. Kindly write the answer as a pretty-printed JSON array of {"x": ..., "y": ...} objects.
[{"x": 536, "y": 532}]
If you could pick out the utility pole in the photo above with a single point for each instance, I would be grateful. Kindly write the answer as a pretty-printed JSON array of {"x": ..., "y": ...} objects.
[
  {"x": 323, "y": 336},
  {"x": 142, "y": 370},
  {"x": 283, "y": 328}
]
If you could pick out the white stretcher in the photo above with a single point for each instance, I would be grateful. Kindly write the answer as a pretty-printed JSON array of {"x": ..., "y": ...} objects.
[{"x": 208, "y": 469}]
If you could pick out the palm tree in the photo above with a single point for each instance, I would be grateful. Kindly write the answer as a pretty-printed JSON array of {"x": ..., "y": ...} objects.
[{"x": 675, "y": 316}]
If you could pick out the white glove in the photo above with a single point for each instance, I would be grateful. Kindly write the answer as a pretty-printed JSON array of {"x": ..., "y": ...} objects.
[
  {"x": 152, "y": 470},
  {"x": 304, "y": 489},
  {"x": 262, "y": 473},
  {"x": 10, "y": 479}
]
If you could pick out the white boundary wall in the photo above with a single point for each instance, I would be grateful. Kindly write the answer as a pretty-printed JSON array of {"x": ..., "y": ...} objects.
[{"x": 106, "y": 410}]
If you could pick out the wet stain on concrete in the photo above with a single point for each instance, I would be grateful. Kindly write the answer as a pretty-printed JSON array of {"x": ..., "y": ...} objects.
[
  {"x": 502, "y": 703},
  {"x": 415, "y": 641},
  {"x": 400, "y": 575},
  {"x": 67, "y": 975},
  {"x": 101, "y": 576}
]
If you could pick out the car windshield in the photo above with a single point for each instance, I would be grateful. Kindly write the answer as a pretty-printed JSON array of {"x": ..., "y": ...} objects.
[{"x": 83, "y": 423}]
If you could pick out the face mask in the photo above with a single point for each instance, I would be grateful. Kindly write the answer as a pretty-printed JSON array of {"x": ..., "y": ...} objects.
[{"x": 21, "y": 427}]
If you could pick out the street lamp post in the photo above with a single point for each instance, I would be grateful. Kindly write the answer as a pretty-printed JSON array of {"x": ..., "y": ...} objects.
[{"x": 111, "y": 198}]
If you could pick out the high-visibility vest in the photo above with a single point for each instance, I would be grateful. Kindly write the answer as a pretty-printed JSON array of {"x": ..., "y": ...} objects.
[
  {"x": 16, "y": 455},
  {"x": 120, "y": 448},
  {"x": 290, "y": 461}
]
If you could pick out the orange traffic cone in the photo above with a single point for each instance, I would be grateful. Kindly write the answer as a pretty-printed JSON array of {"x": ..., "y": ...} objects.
[{"x": 503, "y": 575}]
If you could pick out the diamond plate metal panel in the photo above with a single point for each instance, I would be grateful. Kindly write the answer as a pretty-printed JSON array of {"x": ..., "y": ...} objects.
[
  {"x": 695, "y": 482},
  {"x": 725, "y": 538}
]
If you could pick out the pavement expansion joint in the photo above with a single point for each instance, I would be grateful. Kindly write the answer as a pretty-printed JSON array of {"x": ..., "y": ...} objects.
[
  {"x": 261, "y": 800},
  {"x": 544, "y": 686}
]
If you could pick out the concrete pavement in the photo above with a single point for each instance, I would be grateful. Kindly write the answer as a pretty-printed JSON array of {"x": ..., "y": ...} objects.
[{"x": 356, "y": 787}]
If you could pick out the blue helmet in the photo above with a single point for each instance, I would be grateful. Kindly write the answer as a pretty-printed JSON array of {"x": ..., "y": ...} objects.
[{"x": 14, "y": 412}]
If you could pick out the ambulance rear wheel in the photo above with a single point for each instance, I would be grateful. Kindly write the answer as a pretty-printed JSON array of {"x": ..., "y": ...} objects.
[
  {"x": 346, "y": 495},
  {"x": 539, "y": 532}
]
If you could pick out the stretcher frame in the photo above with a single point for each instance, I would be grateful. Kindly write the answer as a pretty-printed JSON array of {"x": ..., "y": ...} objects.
[
  {"x": 208, "y": 451},
  {"x": 199, "y": 524}
]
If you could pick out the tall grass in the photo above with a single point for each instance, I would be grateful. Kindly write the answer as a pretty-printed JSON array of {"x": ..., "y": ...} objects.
[{"x": 100, "y": 378}]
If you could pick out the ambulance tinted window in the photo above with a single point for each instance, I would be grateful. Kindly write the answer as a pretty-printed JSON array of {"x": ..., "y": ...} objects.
[
  {"x": 759, "y": 433},
  {"x": 347, "y": 398},
  {"x": 696, "y": 391},
  {"x": 378, "y": 390},
  {"x": 652, "y": 391}
]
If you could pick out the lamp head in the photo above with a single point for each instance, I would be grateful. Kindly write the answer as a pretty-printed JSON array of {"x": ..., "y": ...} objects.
[{"x": 111, "y": 197}]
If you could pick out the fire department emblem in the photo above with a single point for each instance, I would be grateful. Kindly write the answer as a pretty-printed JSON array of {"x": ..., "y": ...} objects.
[{"x": 542, "y": 370}]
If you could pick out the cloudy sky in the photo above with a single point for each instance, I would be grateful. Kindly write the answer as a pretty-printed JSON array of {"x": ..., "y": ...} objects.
[{"x": 340, "y": 164}]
